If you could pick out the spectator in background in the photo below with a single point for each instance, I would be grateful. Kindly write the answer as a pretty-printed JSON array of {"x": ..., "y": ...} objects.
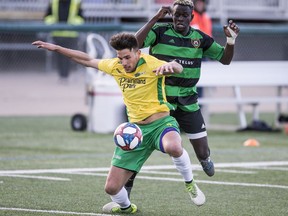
[
  {"x": 203, "y": 22},
  {"x": 201, "y": 19},
  {"x": 69, "y": 12}
]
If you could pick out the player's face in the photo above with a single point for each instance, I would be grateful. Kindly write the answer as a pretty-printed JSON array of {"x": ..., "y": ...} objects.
[
  {"x": 129, "y": 59},
  {"x": 182, "y": 16}
]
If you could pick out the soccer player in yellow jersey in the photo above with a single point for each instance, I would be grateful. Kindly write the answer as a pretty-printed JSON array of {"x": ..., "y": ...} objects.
[{"x": 141, "y": 79}]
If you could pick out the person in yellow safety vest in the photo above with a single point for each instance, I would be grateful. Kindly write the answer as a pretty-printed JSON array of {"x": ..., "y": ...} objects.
[{"x": 69, "y": 12}]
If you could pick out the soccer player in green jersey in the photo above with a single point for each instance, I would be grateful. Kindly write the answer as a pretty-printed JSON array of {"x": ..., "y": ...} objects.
[
  {"x": 178, "y": 41},
  {"x": 141, "y": 80}
]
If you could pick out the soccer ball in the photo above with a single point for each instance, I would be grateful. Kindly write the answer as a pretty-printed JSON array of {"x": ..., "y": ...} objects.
[{"x": 128, "y": 136}]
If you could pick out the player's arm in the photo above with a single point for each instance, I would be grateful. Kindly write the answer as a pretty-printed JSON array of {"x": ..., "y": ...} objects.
[
  {"x": 231, "y": 31},
  {"x": 169, "y": 68},
  {"x": 77, "y": 56},
  {"x": 142, "y": 33}
]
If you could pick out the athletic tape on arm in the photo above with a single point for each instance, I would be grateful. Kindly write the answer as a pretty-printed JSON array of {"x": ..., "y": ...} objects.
[{"x": 231, "y": 40}]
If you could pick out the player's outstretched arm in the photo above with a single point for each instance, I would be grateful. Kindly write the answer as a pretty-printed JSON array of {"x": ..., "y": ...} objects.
[
  {"x": 77, "y": 56},
  {"x": 231, "y": 32},
  {"x": 169, "y": 68},
  {"x": 142, "y": 33}
]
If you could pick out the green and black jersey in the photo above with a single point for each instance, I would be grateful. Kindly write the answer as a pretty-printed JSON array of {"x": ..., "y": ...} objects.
[{"x": 166, "y": 44}]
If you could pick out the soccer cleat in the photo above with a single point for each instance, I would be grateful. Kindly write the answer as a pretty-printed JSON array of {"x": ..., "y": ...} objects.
[
  {"x": 114, "y": 208},
  {"x": 196, "y": 195},
  {"x": 131, "y": 210},
  {"x": 107, "y": 208},
  {"x": 208, "y": 166}
]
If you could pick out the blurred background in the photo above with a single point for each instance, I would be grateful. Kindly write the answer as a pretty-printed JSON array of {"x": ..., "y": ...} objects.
[
  {"x": 263, "y": 37},
  {"x": 264, "y": 27}
]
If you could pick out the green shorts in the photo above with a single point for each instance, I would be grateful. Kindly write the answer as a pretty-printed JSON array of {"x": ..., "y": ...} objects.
[{"x": 152, "y": 140}]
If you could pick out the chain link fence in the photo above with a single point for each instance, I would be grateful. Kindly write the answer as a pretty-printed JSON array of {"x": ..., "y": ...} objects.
[
  {"x": 254, "y": 43},
  {"x": 18, "y": 55}
]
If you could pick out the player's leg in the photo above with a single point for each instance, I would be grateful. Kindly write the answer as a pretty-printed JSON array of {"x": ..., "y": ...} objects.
[
  {"x": 114, "y": 186},
  {"x": 171, "y": 143},
  {"x": 202, "y": 151},
  {"x": 129, "y": 184},
  {"x": 124, "y": 165},
  {"x": 194, "y": 126}
]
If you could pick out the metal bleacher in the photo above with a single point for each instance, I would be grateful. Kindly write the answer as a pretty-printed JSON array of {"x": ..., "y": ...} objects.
[{"x": 103, "y": 11}]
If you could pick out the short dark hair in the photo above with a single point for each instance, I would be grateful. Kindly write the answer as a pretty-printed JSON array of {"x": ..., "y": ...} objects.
[
  {"x": 124, "y": 40},
  {"x": 188, "y": 3}
]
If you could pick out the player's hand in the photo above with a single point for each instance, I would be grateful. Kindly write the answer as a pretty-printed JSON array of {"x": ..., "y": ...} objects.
[
  {"x": 44, "y": 45},
  {"x": 163, "y": 11},
  {"x": 231, "y": 31},
  {"x": 165, "y": 69}
]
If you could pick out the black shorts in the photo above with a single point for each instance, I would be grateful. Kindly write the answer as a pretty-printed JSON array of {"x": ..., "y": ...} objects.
[{"x": 192, "y": 123}]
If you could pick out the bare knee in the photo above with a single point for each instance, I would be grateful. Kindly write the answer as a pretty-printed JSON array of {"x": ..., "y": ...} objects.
[
  {"x": 174, "y": 149},
  {"x": 111, "y": 189},
  {"x": 172, "y": 144},
  {"x": 116, "y": 179}
]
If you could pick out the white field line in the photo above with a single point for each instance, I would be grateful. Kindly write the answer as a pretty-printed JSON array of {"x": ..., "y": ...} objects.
[
  {"x": 40, "y": 171},
  {"x": 88, "y": 174},
  {"x": 52, "y": 211},
  {"x": 105, "y": 174},
  {"x": 252, "y": 164},
  {"x": 158, "y": 167},
  {"x": 271, "y": 168},
  {"x": 243, "y": 184},
  {"x": 195, "y": 174},
  {"x": 215, "y": 182},
  {"x": 146, "y": 169},
  {"x": 198, "y": 181},
  {"x": 160, "y": 173},
  {"x": 236, "y": 171},
  {"x": 140, "y": 176},
  {"x": 37, "y": 177}
]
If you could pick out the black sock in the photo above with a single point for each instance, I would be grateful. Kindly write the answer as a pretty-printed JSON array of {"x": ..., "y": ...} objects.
[{"x": 126, "y": 207}]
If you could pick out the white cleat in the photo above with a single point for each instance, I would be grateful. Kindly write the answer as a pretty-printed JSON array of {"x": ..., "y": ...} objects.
[
  {"x": 107, "y": 208},
  {"x": 196, "y": 195}
]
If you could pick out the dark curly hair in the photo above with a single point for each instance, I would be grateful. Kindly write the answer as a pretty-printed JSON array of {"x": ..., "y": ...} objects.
[
  {"x": 124, "y": 40},
  {"x": 188, "y": 3}
]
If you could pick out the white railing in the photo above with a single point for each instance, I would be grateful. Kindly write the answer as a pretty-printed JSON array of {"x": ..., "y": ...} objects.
[{"x": 248, "y": 10}]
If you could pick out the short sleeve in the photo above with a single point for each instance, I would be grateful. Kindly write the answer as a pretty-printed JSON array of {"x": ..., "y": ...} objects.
[
  {"x": 150, "y": 39},
  {"x": 215, "y": 51},
  {"x": 107, "y": 65}
]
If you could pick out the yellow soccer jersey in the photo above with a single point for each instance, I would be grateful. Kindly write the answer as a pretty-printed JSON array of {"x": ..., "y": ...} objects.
[{"x": 143, "y": 92}]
